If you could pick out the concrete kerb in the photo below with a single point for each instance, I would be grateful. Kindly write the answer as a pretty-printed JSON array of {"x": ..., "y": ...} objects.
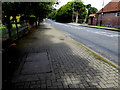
[{"x": 93, "y": 52}]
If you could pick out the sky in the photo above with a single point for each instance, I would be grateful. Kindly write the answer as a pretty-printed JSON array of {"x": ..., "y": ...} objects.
[{"x": 95, "y": 3}]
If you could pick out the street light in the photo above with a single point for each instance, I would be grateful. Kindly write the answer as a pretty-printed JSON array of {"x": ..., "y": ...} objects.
[{"x": 102, "y": 14}]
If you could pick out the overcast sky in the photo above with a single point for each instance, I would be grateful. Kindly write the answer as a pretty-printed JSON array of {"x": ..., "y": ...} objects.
[{"x": 95, "y": 3}]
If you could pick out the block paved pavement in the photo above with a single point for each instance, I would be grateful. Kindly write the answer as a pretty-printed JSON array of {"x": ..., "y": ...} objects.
[{"x": 50, "y": 60}]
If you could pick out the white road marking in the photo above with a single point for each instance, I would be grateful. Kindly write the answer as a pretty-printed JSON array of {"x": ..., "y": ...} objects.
[{"x": 93, "y": 31}]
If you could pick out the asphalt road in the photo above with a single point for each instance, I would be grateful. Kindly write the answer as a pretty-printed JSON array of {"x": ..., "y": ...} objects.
[{"x": 102, "y": 41}]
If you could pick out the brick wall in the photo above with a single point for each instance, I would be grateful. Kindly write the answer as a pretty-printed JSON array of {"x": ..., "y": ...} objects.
[
  {"x": 92, "y": 21},
  {"x": 109, "y": 19}
]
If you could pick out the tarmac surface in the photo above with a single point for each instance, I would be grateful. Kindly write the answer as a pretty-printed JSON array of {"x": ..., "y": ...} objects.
[{"x": 51, "y": 59}]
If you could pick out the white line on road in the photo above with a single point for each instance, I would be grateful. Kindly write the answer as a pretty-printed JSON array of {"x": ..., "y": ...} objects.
[{"x": 92, "y": 31}]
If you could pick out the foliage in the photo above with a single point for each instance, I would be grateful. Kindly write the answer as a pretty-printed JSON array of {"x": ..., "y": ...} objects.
[
  {"x": 91, "y": 10},
  {"x": 64, "y": 14},
  {"x": 68, "y": 12},
  {"x": 37, "y": 9}
]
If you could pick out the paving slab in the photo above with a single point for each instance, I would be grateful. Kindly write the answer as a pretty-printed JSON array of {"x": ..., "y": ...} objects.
[{"x": 36, "y": 63}]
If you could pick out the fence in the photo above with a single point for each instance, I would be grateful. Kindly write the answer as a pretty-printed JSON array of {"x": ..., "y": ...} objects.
[{"x": 4, "y": 32}]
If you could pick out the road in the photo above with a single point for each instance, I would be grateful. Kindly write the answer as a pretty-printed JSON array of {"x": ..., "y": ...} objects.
[{"x": 102, "y": 41}]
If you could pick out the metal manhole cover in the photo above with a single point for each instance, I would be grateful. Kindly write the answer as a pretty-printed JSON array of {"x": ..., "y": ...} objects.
[
  {"x": 36, "y": 63},
  {"x": 61, "y": 39}
]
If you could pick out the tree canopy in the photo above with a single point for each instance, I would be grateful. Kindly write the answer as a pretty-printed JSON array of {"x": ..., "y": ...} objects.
[
  {"x": 26, "y": 9},
  {"x": 38, "y": 9},
  {"x": 73, "y": 11},
  {"x": 64, "y": 14}
]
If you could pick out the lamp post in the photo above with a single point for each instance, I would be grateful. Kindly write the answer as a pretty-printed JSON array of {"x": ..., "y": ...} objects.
[{"x": 102, "y": 14}]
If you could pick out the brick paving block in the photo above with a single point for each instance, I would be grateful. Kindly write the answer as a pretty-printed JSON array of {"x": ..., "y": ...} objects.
[
  {"x": 21, "y": 86},
  {"x": 65, "y": 86},
  {"x": 60, "y": 86},
  {"x": 111, "y": 78},
  {"x": 69, "y": 81},
  {"x": 19, "y": 83},
  {"x": 27, "y": 84},
  {"x": 110, "y": 85},
  {"x": 116, "y": 84},
  {"x": 102, "y": 85},
  {"x": 59, "y": 83},
  {"x": 77, "y": 86},
  {"x": 54, "y": 84},
  {"x": 33, "y": 82},
  {"x": 111, "y": 81},
  {"x": 104, "y": 77},
  {"x": 71, "y": 86},
  {"x": 38, "y": 82},
  {"x": 43, "y": 82},
  {"x": 75, "y": 82},
  {"x": 104, "y": 82},
  {"x": 43, "y": 85},
  {"x": 34, "y": 86},
  {"x": 81, "y": 86},
  {"x": 48, "y": 83},
  {"x": 85, "y": 84}
]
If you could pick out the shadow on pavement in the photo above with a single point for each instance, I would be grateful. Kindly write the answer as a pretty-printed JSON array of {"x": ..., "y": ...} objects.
[{"x": 67, "y": 68}]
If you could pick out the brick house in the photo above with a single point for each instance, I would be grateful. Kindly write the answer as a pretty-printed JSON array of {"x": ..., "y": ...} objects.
[
  {"x": 107, "y": 16},
  {"x": 92, "y": 19}
]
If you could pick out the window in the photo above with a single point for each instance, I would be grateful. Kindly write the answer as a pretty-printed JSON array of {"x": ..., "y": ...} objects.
[{"x": 118, "y": 14}]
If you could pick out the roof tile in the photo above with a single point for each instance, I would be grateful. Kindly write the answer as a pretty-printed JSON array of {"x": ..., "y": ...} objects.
[{"x": 111, "y": 6}]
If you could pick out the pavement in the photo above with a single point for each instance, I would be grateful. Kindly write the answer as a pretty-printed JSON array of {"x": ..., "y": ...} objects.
[{"x": 51, "y": 59}]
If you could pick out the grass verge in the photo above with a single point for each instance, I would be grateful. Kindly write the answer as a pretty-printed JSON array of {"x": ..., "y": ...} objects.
[
  {"x": 94, "y": 53},
  {"x": 97, "y": 26}
]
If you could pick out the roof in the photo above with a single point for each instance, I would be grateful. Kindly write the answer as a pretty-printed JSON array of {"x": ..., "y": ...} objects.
[
  {"x": 92, "y": 15},
  {"x": 114, "y": 5}
]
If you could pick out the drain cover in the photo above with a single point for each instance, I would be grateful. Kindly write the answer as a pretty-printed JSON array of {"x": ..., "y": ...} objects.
[
  {"x": 61, "y": 39},
  {"x": 36, "y": 63}
]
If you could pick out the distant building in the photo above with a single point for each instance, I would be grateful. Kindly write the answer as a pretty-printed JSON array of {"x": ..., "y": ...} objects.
[
  {"x": 107, "y": 16},
  {"x": 92, "y": 19}
]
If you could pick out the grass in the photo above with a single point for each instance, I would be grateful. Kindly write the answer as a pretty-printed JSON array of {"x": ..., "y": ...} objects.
[
  {"x": 4, "y": 32},
  {"x": 106, "y": 27},
  {"x": 14, "y": 26},
  {"x": 17, "y": 17},
  {"x": 96, "y": 26},
  {"x": 73, "y": 23}
]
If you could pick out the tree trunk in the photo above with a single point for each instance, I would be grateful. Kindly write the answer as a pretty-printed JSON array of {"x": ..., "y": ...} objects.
[
  {"x": 36, "y": 21},
  {"x": 9, "y": 26},
  {"x": 39, "y": 22},
  {"x": 77, "y": 17},
  {"x": 16, "y": 25}
]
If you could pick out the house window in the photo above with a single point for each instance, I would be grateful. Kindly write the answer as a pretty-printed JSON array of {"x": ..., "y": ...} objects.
[{"x": 118, "y": 14}]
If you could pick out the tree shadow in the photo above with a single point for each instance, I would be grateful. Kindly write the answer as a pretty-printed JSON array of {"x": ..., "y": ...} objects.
[{"x": 71, "y": 66}]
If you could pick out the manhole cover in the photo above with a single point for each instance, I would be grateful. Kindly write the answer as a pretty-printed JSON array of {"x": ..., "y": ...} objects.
[
  {"x": 36, "y": 63},
  {"x": 61, "y": 39}
]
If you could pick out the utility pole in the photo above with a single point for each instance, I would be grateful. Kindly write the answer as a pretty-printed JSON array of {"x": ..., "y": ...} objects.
[{"x": 102, "y": 14}]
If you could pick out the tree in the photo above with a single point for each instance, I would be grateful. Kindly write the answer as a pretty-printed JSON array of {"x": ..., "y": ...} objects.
[
  {"x": 80, "y": 10},
  {"x": 90, "y": 10},
  {"x": 38, "y": 9},
  {"x": 52, "y": 15},
  {"x": 64, "y": 14}
]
